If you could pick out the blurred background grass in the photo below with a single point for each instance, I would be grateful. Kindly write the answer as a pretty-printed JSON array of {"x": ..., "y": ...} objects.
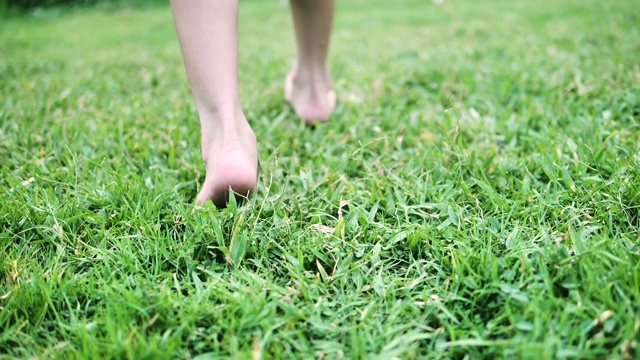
[{"x": 21, "y": 7}]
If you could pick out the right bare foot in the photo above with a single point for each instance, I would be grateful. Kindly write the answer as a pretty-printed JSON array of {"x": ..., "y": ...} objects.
[
  {"x": 231, "y": 158},
  {"x": 311, "y": 95}
]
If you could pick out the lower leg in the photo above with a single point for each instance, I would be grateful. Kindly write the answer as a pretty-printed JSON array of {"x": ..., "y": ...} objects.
[
  {"x": 208, "y": 34},
  {"x": 308, "y": 86}
]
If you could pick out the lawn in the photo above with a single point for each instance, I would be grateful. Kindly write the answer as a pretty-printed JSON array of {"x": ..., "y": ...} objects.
[{"x": 475, "y": 195}]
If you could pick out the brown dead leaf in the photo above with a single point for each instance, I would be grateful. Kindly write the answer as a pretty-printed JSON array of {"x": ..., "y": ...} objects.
[
  {"x": 257, "y": 348},
  {"x": 428, "y": 137},
  {"x": 343, "y": 203},
  {"x": 628, "y": 349},
  {"x": 323, "y": 228},
  {"x": 377, "y": 88},
  {"x": 605, "y": 316}
]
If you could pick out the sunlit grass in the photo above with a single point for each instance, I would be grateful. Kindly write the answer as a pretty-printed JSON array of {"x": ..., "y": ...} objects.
[{"x": 476, "y": 193}]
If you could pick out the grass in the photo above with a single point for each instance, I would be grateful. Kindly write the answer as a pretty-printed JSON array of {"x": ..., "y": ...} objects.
[{"x": 476, "y": 194}]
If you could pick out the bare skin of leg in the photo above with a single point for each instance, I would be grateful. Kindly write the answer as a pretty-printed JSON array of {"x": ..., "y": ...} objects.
[
  {"x": 308, "y": 86},
  {"x": 208, "y": 34}
]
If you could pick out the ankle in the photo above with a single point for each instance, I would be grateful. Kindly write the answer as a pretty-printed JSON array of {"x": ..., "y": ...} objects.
[
  {"x": 224, "y": 120},
  {"x": 217, "y": 111},
  {"x": 224, "y": 131},
  {"x": 311, "y": 73}
]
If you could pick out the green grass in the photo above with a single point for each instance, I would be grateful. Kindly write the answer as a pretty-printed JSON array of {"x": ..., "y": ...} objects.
[{"x": 477, "y": 192}]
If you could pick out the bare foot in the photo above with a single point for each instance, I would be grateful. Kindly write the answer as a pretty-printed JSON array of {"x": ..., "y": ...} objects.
[
  {"x": 310, "y": 94},
  {"x": 232, "y": 164}
]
